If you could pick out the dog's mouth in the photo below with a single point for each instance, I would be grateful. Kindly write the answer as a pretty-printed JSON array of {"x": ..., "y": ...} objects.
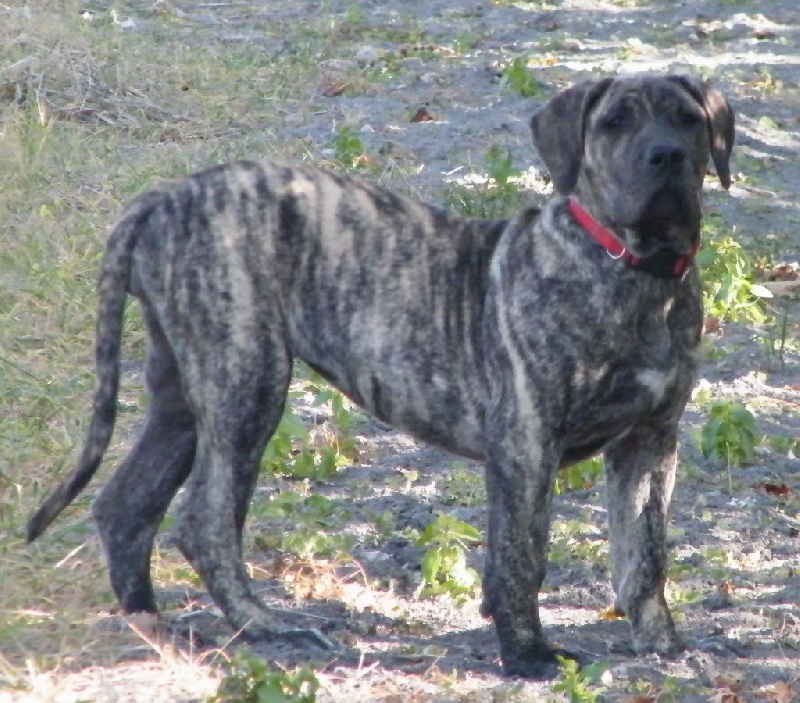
[{"x": 670, "y": 221}]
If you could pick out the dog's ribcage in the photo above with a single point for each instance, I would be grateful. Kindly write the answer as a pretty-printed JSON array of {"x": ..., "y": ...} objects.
[{"x": 380, "y": 294}]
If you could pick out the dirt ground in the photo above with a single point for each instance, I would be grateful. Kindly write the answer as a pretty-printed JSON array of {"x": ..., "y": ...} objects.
[{"x": 735, "y": 546}]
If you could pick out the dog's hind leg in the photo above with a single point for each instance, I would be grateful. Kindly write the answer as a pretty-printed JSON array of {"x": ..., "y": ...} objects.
[
  {"x": 238, "y": 393},
  {"x": 130, "y": 507},
  {"x": 640, "y": 469}
]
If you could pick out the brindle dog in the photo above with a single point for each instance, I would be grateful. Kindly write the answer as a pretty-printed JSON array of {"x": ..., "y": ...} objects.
[{"x": 530, "y": 344}]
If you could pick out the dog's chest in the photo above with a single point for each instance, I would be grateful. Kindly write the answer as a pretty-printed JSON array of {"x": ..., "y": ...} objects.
[{"x": 645, "y": 368}]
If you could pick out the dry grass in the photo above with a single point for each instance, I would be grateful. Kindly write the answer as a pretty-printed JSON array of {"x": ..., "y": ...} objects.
[
  {"x": 90, "y": 114},
  {"x": 92, "y": 111}
]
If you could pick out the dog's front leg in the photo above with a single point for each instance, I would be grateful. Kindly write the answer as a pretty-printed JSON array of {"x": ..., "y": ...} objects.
[
  {"x": 640, "y": 470},
  {"x": 519, "y": 478}
]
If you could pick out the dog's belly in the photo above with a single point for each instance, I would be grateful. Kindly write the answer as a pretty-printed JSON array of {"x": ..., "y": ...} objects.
[{"x": 426, "y": 403}]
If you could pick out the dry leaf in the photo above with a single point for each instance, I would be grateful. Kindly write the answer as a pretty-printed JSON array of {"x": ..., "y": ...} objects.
[
  {"x": 422, "y": 115},
  {"x": 610, "y": 613},
  {"x": 764, "y": 34},
  {"x": 711, "y": 324},
  {"x": 780, "y": 692},
  {"x": 725, "y": 695},
  {"x": 774, "y": 489},
  {"x": 784, "y": 272},
  {"x": 726, "y": 587},
  {"x": 364, "y": 160},
  {"x": 732, "y": 680},
  {"x": 781, "y": 288},
  {"x": 335, "y": 89}
]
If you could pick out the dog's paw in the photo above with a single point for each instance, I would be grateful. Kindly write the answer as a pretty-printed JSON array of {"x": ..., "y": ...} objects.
[
  {"x": 663, "y": 643},
  {"x": 653, "y": 629},
  {"x": 541, "y": 664},
  {"x": 301, "y": 637},
  {"x": 304, "y": 637}
]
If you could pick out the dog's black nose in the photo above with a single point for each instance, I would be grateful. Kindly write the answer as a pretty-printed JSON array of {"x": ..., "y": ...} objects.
[{"x": 666, "y": 158}]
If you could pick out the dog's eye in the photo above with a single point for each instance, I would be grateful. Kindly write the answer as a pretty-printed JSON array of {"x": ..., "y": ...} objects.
[
  {"x": 689, "y": 119},
  {"x": 617, "y": 119}
]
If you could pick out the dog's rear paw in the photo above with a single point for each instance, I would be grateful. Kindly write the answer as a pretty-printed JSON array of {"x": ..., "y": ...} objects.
[
  {"x": 296, "y": 636},
  {"x": 311, "y": 636},
  {"x": 540, "y": 665}
]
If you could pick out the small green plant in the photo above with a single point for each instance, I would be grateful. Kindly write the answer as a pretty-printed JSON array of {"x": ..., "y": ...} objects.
[
  {"x": 463, "y": 486},
  {"x": 671, "y": 690},
  {"x": 315, "y": 525},
  {"x": 307, "y": 461},
  {"x": 444, "y": 564},
  {"x": 766, "y": 82},
  {"x": 679, "y": 596},
  {"x": 580, "y": 476},
  {"x": 775, "y": 339},
  {"x": 348, "y": 150},
  {"x": 293, "y": 451},
  {"x": 581, "y": 684},
  {"x": 252, "y": 680},
  {"x": 465, "y": 42},
  {"x": 518, "y": 77},
  {"x": 728, "y": 289},
  {"x": 729, "y": 434},
  {"x": 342, "y": 417},
  {"x": 308, "y": 542},
  {"x": 788, "y": 446},
  {"x": 577, "y": 542},
  {"x": 497, "y": 196}
]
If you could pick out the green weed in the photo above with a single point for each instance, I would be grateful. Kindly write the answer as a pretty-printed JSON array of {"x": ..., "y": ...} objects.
[
  {"x": 766, "y": 82},
  {"x": 518, "y": 78},
  {"x": 465, "y": 42},
  {"x": 678, "y": 596},
  {"x": 789, "y": 446},
  {"x": 307, "y": 542},
  {"x": 252, "y": 680},
  {"x": 348, "y": 150},
  {"x": 496, "y": 197},
  {"x": 315, "y": 525},
  {"x": 729, "y": 292},
  {"x": 580, "y": 476},
  {"x": 463, "y": 486},
  {"x": 295, "y": 453},
  {"x": 580, "y": 684},
  {"x": 444, "y": 564},
  {"x": 729, "y": 435},
  {"x": 577, "y": 542},
  {"x": 775, "y": 339}
]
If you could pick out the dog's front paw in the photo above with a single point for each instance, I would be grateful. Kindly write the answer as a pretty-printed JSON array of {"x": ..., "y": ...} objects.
[
  {"x": 538, "y": 663},
  {"x": 654, "y": 631},
  {"x": 664, "y": 642}
]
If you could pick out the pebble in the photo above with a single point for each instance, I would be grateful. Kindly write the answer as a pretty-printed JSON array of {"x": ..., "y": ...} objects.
[{"x": 367, "y": 54}]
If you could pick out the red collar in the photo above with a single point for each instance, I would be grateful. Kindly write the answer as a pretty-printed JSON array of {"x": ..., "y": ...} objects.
[{"x": 663, "y": 264}]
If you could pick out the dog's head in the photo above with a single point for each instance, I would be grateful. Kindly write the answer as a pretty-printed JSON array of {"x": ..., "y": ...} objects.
[{"x": 634, "y": 150}]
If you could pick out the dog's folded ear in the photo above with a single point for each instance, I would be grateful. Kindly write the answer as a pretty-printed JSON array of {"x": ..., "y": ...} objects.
[
  {"x": 558, "y": 128},
  {"x": 720, "y": 119}
]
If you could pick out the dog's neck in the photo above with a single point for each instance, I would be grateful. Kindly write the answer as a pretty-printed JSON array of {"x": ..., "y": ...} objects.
[{"x": 663, "y": 264}]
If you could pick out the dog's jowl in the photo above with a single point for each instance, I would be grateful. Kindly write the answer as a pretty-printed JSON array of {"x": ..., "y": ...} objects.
[{"x": 529, "y": 344}]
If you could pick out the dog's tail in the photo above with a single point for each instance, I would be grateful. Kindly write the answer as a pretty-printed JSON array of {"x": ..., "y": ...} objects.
[{"x": 112, "y": 291}]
